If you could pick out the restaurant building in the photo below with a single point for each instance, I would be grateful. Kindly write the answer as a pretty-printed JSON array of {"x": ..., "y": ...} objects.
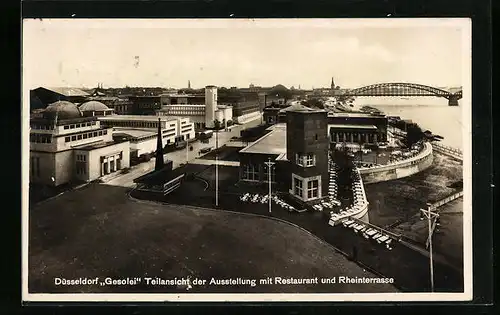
[
  {"x": 299, "y": 151},
  {"x": 348, "y": 127}
]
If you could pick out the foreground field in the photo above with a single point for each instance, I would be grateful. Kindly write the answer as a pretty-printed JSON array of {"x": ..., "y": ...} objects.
[{"x": 98, "y": 231}]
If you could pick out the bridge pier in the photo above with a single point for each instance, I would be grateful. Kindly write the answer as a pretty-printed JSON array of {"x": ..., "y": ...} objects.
[{"x": 452, "y": 100}]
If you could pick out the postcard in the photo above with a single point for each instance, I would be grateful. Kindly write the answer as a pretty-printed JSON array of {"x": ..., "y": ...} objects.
[{"x": 260, "y": 160}]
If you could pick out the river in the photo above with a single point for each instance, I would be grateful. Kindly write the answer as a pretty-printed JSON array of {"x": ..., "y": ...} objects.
[{"x": 430, "y": 113}]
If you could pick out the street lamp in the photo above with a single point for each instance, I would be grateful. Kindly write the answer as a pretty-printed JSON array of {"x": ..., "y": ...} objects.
[
  {"x": 431, "y": 220},
  {"x": 269, "y": 169}
]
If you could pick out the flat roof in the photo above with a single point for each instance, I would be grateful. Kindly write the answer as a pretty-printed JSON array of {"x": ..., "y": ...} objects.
[
  {"x": 273, "y": 142},
  {"x": 135, "y": 133},
  {"x": 349, "y": 126},
  {"x": 136, "y": 117},
  {"x": 344, "y": 114},
  {"x": 96, "y": 145},
  {"x": 186, "y": 105}
]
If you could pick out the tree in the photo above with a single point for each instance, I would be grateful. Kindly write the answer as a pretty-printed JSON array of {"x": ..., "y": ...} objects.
[
  {"x": 413, "y": 135},
  {"x": 346, "y": 165},
  {"x": 217, "y": 124}
]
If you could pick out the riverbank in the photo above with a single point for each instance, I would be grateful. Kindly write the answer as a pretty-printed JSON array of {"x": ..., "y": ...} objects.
[{"x": 396, "y": 205}]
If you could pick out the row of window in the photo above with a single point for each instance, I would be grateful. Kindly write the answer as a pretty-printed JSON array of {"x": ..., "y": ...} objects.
[
  {"x": 81, "y": 168},
  {"x": 42, "y": 127},
  {"x": 311, "y": 191},
  {"x": 187, "y": 112},
  {"x": 251, "y": 172},
  {"x": 81, "y": 157},
  {"x": 40, "y": 138},
  {"x": 73, "y": 126},
  {"x": 168, "y": 130},
  {"x": 132, "y": 124},
  {"x": 305, "y": 160},
  {"x": 85, "y": 135}
]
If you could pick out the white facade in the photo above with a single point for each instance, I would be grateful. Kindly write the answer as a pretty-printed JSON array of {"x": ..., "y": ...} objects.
[
  {"x": 143, "y": 130},
  {"x": 248, "y": 117},
  {"x": 306, "y": 189},
  {"x": 211, "y": 105},
  {"x": 53, "y": 146},
  {"x": 224, "y": 114}
]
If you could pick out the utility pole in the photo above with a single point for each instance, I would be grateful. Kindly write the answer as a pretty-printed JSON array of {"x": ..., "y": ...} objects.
[
  {"x": 431, "y": 225},
  {"x": 187, "y": 151},
  {"x": 216, "y": 165},
  {"x": 269, "y": 170}
]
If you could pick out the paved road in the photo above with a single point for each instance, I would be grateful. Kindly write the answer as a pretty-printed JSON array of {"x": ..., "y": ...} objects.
[{"x": 180, "y": 157}]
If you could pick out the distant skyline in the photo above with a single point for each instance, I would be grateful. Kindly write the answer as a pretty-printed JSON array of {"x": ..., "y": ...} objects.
[{"x": 169, "y": 53}]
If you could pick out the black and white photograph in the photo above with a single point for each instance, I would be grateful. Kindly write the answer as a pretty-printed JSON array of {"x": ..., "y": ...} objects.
[{"x": 196, "y": 160}]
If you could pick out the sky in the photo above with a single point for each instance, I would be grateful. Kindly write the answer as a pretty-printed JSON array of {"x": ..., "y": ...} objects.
[{"x": 168, "y": 53}]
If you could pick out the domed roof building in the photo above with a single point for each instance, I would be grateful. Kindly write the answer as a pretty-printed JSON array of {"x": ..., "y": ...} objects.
[
  {"x": 61, "y": 110},
  {"x": 95, "y": 108}
]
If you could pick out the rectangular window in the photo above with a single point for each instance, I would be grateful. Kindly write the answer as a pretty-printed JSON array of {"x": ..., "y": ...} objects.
[
  {"x": 95, "y": 133},
  {"x": 312, "y": 189},
  {"x": 73, "y": 138},
  {"x": 85, "y": 136},
  {"x": 310, "y": 160},
  {"x": 79, "y": 137},
  {"x": 100, "y": 133},
  {"x": 67, "y": 139},
  {"x": 72, "y": 126},
  {"x": 298, "y": 187},
  {"x": 77, "y": 125},
  {"x": 66, "y": 127},
  {"x": 89, "y": 124},
  {"x": 251, "y": 172},
  {"x": 105, "y": 132}
]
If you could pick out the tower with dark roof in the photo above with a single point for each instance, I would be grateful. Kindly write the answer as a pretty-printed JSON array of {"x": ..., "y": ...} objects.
[
  {"x": 307, "y": 152},
  {"x": 332, "y": 85}
]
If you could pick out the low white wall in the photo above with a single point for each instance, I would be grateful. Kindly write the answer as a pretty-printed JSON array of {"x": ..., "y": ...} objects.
[{"x": 399, "y": 169}]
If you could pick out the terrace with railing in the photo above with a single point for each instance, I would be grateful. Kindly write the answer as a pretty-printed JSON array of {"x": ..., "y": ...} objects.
[{"x": 358, "y": 208}]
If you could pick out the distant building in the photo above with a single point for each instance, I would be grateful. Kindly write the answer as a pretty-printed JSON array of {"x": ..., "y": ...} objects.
[
  {"x": 357, "y": 127},
  {"x": 66, "y": 146},
  {"x": 352, "y": 127},
  {"x": 145, "y": 105},
  {"x": 43, "y": 96},
  {"x": 201, "y": 110},
  {"x": 141, "y": 130}
]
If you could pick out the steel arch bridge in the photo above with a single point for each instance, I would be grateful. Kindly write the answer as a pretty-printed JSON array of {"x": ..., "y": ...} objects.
[{"x": 405, "y": 89}]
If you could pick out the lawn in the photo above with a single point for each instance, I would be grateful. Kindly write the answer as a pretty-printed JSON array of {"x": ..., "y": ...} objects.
[{"x": 97, "y": 231}]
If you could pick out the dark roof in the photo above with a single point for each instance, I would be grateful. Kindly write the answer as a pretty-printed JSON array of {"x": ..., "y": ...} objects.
[
  {"x": 62, "y": 110},
  {"x": 67, "y": 91},
  {"x": 301, "y": 108},
  {"x": 160, "y": 177}
]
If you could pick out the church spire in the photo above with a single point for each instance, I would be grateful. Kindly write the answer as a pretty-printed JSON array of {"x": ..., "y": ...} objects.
[
  {"x": 332, "y": 85},
  {"x": 159, "y": 149},
  {"x": 189, "y": 84}
]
